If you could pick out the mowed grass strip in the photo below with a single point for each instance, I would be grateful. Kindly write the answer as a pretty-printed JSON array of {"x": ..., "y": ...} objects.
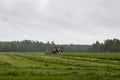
[
  {"x": 115, "y": 62},
  {"x": 99, "y": 55},
  {"x": 17, "y": 61},
  {"x": 82, "y": 77},
  {"x": 22, "y": 62},
  {"x": 65, "y": 61}
]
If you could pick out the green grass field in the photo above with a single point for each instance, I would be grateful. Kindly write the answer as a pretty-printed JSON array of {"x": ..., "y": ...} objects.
[{"x": 67, "y": 66}]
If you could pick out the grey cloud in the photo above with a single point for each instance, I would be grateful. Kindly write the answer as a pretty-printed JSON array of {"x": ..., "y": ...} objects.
[{"x": 62, "y": 21}]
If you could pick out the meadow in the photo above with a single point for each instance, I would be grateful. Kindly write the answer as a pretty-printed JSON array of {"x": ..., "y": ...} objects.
[{"x": 67, "y": 66}]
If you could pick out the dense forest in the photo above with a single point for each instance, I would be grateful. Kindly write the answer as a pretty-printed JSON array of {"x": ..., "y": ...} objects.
[{"x": 109, "y": 45}]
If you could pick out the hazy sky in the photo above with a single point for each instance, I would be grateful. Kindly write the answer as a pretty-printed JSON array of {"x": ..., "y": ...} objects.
[{"x": 62, "y": 21}]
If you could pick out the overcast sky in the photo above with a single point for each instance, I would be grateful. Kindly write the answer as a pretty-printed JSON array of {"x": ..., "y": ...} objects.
[{"x": 61, "y": 21}]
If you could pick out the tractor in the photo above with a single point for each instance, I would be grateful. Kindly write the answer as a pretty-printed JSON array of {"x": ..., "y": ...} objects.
[{"x": 56, "y": 50}]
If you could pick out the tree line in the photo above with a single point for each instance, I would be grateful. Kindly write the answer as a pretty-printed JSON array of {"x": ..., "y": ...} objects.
[{"x": 109, "y": 45}]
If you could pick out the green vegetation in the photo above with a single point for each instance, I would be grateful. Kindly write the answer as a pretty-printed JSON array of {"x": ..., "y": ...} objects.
[
  {"x": 36, "y": 46},
  {"x": 67, "y": 66},
  {"x": 109, "y": 45}
]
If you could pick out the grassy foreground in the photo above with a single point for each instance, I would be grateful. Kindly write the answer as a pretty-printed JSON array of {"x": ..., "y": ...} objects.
[{"x": 67, "y": 66}]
